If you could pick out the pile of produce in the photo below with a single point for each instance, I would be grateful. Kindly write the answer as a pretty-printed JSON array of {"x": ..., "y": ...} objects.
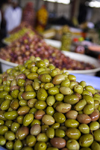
[
  {"x": 43, "y": 108},
  {"x": 32, "y": 44}
]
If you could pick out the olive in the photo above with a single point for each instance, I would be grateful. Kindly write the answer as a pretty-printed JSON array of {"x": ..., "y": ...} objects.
[
  {"x": 71, "y": 123},
  {"x": 40, "y": 146},
  {"x": 50, "y": 133},
  {"x": 71, "y": 99},
  {"x": 84, "y": 128},
  {"x": 18, "y": 145},
  {"x": 30, "y": 140},
  {"x": 95, "y": 145},
  {"x": 59, "y": 133},
  {"x": 72, "y": 114},
  {"x": 42, "y": 137},
  {"x": 48, "y": 119},
  {"x": 58, "y": 142},
  {"x": 15, "y": 126},
  {"x": 59, "y": 117},
  {"x": 22, "y": 132},
  {"x": 27, "y": 120},
  {"x": 63, "y": 107},
  {"x": 9, "y": 135},
  {"x": 73, "y": 133},
  {"x": 35, "y": 129},
  {"x": 9, "y": 145},
  {"x": 86, "y": 140},
  {"x": 2, "y": 140},
  {"x": 72, "y": 145},
  {"x": 97, "y": 135}
]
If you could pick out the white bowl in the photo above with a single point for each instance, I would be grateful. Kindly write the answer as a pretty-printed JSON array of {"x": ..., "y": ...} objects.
[
  {"x": 80, "y": 57},
  {"x": 84, "y": 58}
]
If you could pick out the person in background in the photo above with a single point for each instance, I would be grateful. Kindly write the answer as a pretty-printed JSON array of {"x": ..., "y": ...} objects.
[{"x": 13, "y": 16}]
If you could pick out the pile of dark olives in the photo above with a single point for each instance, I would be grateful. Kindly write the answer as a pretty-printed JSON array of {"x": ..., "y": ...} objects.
[{"x": 45, "y": 108}]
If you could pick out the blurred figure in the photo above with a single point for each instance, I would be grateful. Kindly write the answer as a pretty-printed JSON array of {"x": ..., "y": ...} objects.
[
  {"x": 12, "y": 15},
  {"x": 28, "y": 16}
]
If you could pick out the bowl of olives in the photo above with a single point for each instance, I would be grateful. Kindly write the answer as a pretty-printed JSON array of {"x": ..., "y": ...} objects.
[{"x": 45, "y": 108}]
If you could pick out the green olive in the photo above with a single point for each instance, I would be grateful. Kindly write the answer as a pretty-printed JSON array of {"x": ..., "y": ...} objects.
[
  {"x": 48, "y": 85},
  {"x": 55, "y": 125},
  {"x": 1, "y": 122},
  {"x": 22, "y": 102},
  {"x": 29, "y": 88},
  {"x": 15, "y": 93},
  {"x": 94, "y": 125},
  {"x": 73, "y": 133},
  {"x": 50, "y": 133},
  {"x": 42, "y": 137},
  {"x": 5, "y": 105},
  {"x": 59, "y": 97},
  {"x": 53, "y": 90},
  {"x": 29, "y": 95},
  {"x": 20, "y": 119},
  {"x": 41, "y": 94},
  {"x": 84, "y": 128},
  {"x": 58, "y": 79},
  {"x": 63, "y": 107},
  {"x": 86, "y": 140},
  {"x": 18, "y": 145},
  {"x": 23, "y": 110},
  {"x": 15, "y": 126},
  {"x": 44, "y": 128},
  {"x": 3, "y": 94},
  {"x": 65, "y": 83},
  {"x": 83, "y": 83},
  {"x": 95, "y": 145},
  {"x": 97, "y": 135},
  {"x": 72, "y": 145},
  {"x": 59, "y": 117},
  {"x": 11, "y": 115},
  {"x": 35, "y": 121},
  {"x": 78, "y": 89},
  {"x": 50, "y": 100},
  {"x": 40, "y": 146},
  {"x": 9, "y": 135},
  {"x": 71, "y": 77},
  {"x": 71, "y": 123},
  {"x": 88, "y": 99},
  {"x": 8, "y": 123},
  {"x": 88, "y": 109},
  {"x": 60, "y": 133},
  {"x": 9, "y": 145},
  {"x": 66, "y": 90},
  {"x": 2, "y": 140},
  {"x": 27, "y": 120},
  {"x": 90, "y": 89},
  {"x": 14, "y": 104},
  {"x": 45, "y": 78},
  {"x": 30, "y": 140},
  {"x": 3, "y": 129},
  {"x": 40, "y": 104},
  {"x": 32, "y": 76},
  {"x": 71, "y": 99},
  {"x": 50, "y": 110}
]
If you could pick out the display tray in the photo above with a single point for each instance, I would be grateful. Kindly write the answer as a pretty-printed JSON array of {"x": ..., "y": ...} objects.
[
  {"x": 80, "y": 57},
  {"x": 90, "y": 80}
]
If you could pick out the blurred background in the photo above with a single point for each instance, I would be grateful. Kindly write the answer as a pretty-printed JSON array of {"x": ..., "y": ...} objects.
[{"x": 69, "y": 25}]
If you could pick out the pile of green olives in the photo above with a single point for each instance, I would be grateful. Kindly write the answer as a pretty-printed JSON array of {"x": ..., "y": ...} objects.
[{"x": 45, "y": 108}]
